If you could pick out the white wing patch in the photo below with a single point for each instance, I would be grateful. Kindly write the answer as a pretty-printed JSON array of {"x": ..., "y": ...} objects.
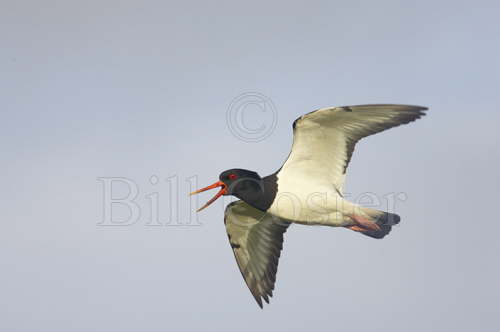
[{"x": 324, "y": 140}]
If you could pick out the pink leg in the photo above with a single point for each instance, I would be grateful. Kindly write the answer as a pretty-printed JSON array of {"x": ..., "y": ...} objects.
[{"x": 365, "y": 223}]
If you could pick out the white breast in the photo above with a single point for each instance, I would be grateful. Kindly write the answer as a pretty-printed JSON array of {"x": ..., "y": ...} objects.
[{"x": 307, "y": 200}]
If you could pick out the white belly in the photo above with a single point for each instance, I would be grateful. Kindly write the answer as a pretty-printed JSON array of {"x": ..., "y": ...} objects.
[{"x": 304, "y": 201}]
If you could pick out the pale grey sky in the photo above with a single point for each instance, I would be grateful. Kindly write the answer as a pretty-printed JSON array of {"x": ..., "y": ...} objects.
[{"x": 134, "y": 89}]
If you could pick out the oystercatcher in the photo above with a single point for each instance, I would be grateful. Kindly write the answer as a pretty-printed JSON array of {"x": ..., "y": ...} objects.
[{"x": 307, "y": 189}]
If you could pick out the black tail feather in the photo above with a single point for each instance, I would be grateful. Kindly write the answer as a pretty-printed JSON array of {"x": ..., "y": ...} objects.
[{"x": 385, "y": 221}]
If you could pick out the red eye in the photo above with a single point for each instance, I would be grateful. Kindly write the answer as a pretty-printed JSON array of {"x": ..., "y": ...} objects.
[{"x": 233, "y": 176}]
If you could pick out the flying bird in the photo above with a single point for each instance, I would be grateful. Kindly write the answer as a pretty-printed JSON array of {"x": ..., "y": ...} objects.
[{"x": 307, "y": 189}]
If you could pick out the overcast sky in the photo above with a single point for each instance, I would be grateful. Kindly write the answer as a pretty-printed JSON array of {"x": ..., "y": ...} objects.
[{"x": 165, "y": 95}]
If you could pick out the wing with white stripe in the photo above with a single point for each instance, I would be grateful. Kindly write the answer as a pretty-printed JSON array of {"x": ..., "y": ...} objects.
[
  {"x": 324, "y": 140},
  {"x": 256, "y": 239}
]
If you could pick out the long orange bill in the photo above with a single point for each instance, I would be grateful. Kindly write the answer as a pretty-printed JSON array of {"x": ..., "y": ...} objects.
[{"x": 221, "y": 192}]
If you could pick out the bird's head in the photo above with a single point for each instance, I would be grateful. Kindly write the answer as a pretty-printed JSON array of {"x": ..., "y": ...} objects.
[{"x": 241, "y": 183}]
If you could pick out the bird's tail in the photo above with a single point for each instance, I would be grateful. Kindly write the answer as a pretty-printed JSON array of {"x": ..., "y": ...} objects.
[{"x": 383, "y": 221}]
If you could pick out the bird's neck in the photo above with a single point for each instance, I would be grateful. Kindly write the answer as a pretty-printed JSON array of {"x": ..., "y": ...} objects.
[{"x": 263, "y": 198}]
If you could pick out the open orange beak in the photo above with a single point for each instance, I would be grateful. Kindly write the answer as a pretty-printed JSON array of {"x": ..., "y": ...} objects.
[{"x": 221, "y": 192}]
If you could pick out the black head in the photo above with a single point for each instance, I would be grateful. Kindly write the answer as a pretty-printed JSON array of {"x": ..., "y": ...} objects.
[
  {"x": 240, "y": 182},
  {"x": 244, "y": 184}
]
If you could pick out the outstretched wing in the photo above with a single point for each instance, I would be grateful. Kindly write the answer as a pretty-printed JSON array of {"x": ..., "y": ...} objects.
[
  {"x": 324, "y": 140},
  {"x": 256, "y": 239}
]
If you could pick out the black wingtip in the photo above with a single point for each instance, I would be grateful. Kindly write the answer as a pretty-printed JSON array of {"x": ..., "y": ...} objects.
[
  {"x": 421, "y": 109},
  {"x": 259, "y": 302}
]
